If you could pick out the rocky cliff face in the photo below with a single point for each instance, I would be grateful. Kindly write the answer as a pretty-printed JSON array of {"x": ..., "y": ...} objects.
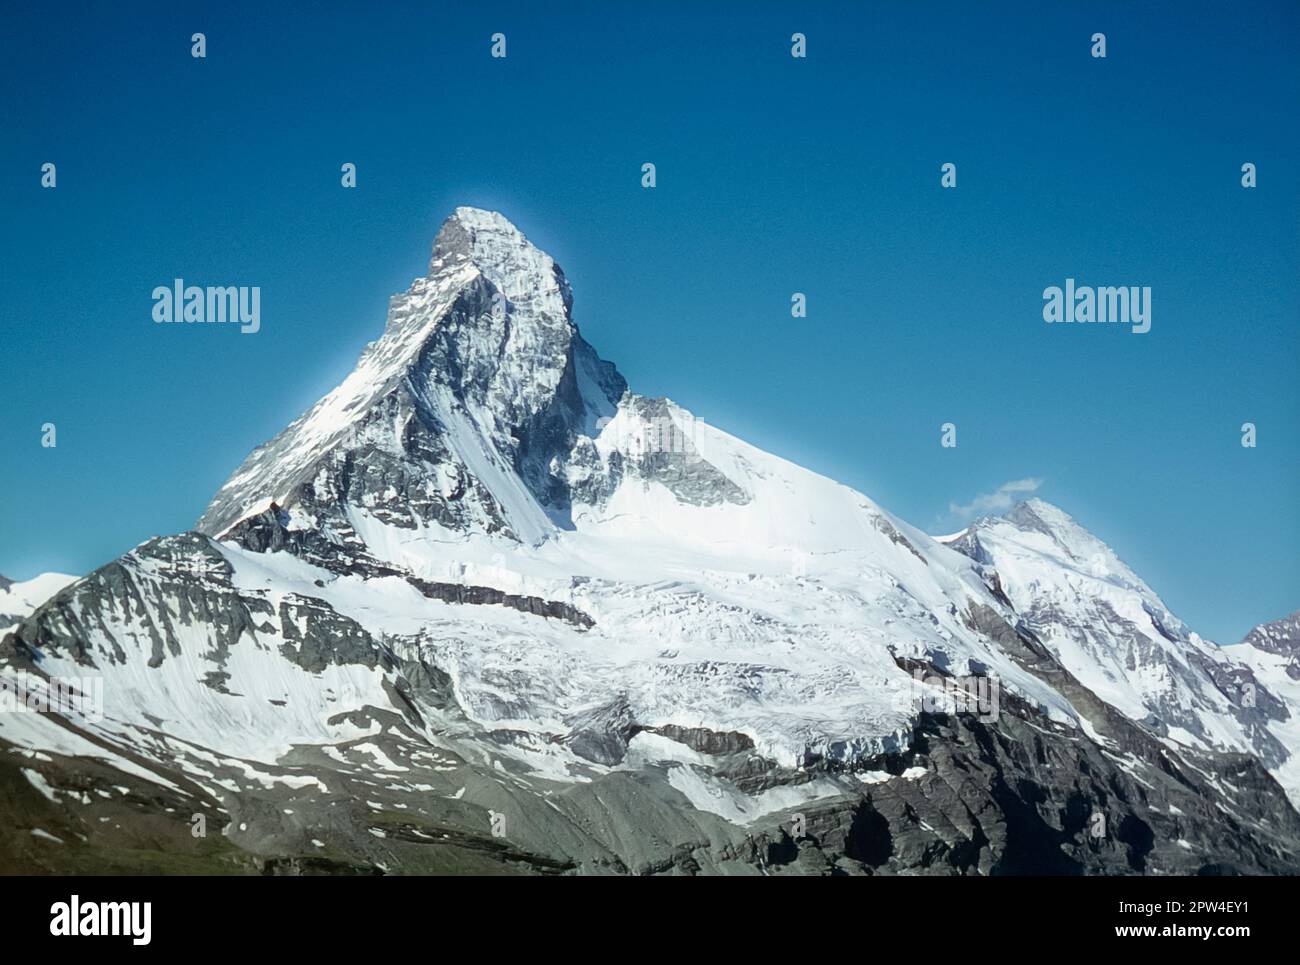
[{"x": 485, "y": 609}]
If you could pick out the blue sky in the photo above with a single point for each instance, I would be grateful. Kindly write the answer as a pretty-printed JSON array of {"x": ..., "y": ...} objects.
[{"x": 775, "y": 175}]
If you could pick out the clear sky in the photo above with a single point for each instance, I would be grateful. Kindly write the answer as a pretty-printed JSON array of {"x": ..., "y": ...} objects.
[{"x": 775, "y": 175}]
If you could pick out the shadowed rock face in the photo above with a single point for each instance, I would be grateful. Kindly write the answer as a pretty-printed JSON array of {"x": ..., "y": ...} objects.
[{"x": 1013, "y": 799}]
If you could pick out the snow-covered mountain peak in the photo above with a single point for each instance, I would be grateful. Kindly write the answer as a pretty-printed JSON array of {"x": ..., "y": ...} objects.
[
  {"x": 492, "y": 245},
  {"x": 1041, "y": 530},
  {"x": 1038, "y": 516},
  {"x": 1038, "y": 513},
  {"x": 1035, "y": 538},
  {"x": 480, "y": 381}
]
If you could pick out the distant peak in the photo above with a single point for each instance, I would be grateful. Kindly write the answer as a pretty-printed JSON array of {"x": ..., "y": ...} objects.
[
  {"x": 1037, "y": 515},
  {"x": 1035, "y": 512},
  {"x": 1278, "y": 636},
  {"x": 1075, "y": 540},
  {"x": 1034, "y": 504}
]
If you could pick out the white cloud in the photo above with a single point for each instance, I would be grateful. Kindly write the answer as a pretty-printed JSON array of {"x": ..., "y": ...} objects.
[{"x": 998, "y": 501}]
